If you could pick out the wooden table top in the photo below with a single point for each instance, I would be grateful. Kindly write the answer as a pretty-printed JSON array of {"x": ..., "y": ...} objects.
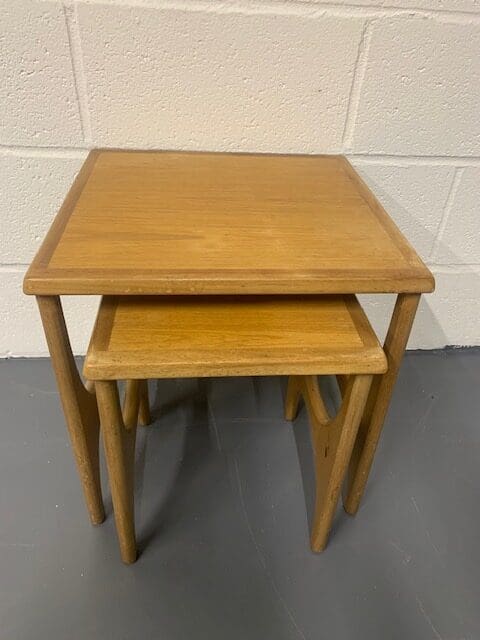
[
  {"x": 208, "y": 223},
  {"x": 197, "y": 336}
]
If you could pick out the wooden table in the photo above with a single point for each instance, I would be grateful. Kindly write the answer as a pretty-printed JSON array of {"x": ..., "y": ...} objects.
[{"x": 203, "y": 223}]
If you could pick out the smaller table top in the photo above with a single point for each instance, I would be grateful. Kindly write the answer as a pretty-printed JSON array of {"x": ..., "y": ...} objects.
[
  {"x": 210, "y": 223},
  {"x": 185, "y": 336}
]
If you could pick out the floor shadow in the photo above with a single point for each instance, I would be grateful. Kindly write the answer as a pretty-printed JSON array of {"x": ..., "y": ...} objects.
[{"x": 180, "y": 442}]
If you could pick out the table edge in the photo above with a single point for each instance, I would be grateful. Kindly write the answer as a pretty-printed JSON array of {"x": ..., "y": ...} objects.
[
  {"x": 40, "y": 280},
  {"x": 36, "y": 284}
]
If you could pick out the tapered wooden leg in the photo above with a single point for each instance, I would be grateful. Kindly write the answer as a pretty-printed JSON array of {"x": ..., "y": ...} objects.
[
  {"x": 136, "y": 405},
  {"x": 131, "y": 403},
  {"x": 379, "y": 400},
  {"x": 119, "y": 442},
  {"x": 332, "y": 441},
  {"x": 79, "y": 406},
  {"x": 317, "y": 410},
  {"x": 293, "y": 397},
  {"x": 342, "y": 381},
  {"x": 144, "y": 417}
]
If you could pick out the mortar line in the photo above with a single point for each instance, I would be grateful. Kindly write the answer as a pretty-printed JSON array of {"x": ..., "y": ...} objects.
[
  {"x": 387, "y": 9},
  {"x": 457, "y": 176},
  {"x": 455, "y": 269},
  {"x": 43, "y": 152},
  {"x": 76, "y": 57},
  {"x": 307, "y": 8},
  {"x": 364, "y": 158},
  {"x": 13, "y": 267},
  {"x": 407, "y": 160},
  {"x": 358, "y": 78}
]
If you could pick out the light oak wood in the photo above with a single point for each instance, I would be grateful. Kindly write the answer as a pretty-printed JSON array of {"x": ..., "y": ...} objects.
[
  {"x": 201, "y": 223},
  {"x": 314, "y": 400},
  {"x": 342, "y": 381},
  {"x": 136, "y": 406},
  {"x": 183, "y": 223},
  {"x": 79, "y": 405},
  {"x": 292, "y": 399},
  {"x": 379, "y": 400},
  {"x": 119, "y": 443},
  {"x": 332, "y": 442},
  {"x": 139, "y": 337},
  {"x": 136, "y": 337},
  {"x": 131, "y": 403}
]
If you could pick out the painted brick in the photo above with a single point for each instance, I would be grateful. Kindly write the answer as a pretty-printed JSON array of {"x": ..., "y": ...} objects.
[
  {"x": 470, "y": 6},
  {"x": 31, "y": 192},
  {"x": 415, "y": 197},
  {"x": 460, "y": 242},
  {"x": 273, "y": 80},
  {"x": 420, "y": 91},
  {"x": 37, "y": 89},
  {"x": 200, "y": 80},
  {"x": 449, "y": 316},
  {"x": 379, "y": 311},
  {"x": 22, "y": 333}
]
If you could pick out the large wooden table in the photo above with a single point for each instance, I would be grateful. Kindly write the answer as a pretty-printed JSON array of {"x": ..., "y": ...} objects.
[{"x": 163, "y": 223}]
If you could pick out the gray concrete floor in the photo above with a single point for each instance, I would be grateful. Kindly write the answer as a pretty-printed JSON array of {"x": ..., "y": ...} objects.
[{"x": 224, "y": 492}]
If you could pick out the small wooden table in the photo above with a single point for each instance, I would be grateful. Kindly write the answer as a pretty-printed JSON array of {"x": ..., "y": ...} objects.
[{"x": 162, "y": 223}]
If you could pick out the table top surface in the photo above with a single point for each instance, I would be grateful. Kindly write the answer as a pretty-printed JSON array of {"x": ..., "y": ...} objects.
[
  {"x": 195, "y": 336},
  {"x": 209, "y": 223}
]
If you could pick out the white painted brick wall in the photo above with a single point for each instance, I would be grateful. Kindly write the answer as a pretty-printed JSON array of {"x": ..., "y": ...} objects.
[
  {"x": 198, "y": 80},
  {"x": 395, "y": 84},
  {"x": 33, "y": 189},
  {"x": 37, "y": 89},
  {"x": 420, "y": 88},
  {"x": 472, "y": 6}
]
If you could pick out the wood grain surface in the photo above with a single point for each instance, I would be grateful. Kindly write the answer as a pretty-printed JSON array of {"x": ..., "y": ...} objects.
[
  {"x": 175, "y": 336},
  {"x": 216, "y": 223}
]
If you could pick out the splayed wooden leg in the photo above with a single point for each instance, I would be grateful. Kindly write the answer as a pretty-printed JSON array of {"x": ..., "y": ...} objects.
[
  {"x": 119, "y": 442},
  {"x": 136, "y": 403},
  {"x": 79, "y": 406},
  {"x": 332, "y": 440},
  {"x": 292, "y": 399},
  {"x": 379, "y": 400}
]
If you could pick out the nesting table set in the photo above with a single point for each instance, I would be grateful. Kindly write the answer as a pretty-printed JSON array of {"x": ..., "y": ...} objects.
[{"x": 215, "y": 264}]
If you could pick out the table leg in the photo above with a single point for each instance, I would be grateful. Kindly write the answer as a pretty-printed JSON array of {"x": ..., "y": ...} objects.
[
  {"x": 119, "y": 441},
  {"x": 379, "y": 400},
  {"x": 136, "y": 405},
  {"x": 292, "y": 399},
  {"x": 79, "y": 405},
  {"x": 332, "y": 442}
]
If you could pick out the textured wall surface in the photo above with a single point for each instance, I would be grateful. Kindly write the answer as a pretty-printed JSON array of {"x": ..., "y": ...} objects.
[{"x": 394, "y": 84}]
